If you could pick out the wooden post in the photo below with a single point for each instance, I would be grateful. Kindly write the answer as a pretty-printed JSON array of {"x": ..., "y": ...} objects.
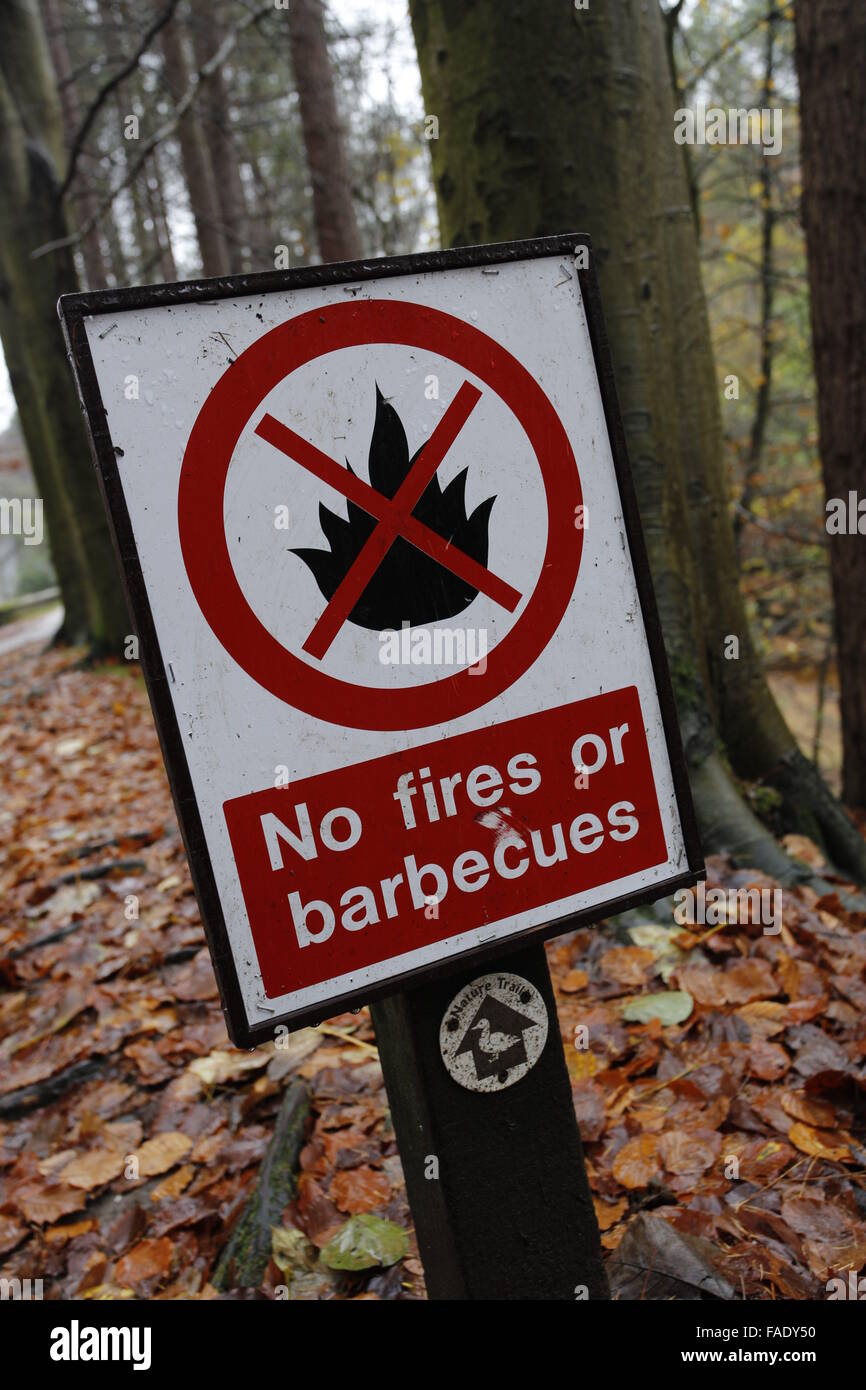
[{"x": 496, "y": 1180}]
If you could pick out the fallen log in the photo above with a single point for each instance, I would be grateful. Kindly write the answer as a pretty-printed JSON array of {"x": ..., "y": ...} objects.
[{"x": 245, "y": 1258}]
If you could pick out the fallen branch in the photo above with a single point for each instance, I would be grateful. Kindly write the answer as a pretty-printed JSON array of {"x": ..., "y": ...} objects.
[
  {"x": 16, "y": 1103},
  {"x": 245, "y": 1258}
]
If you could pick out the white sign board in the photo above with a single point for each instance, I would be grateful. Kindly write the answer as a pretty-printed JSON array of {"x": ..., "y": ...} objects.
[{"x": 384, "y": 560}]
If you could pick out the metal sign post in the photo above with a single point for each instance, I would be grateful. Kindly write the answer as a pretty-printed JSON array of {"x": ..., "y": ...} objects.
[{"x": 380, "y": 541}]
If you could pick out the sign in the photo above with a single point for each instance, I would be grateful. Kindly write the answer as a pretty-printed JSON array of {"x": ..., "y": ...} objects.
[
  {"x": 382, "y": 551},
  {"x": 493, "y": 1032}
]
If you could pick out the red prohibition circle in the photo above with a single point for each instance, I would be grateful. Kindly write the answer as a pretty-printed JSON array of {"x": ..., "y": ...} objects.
[{"x": 200, "y": 506}]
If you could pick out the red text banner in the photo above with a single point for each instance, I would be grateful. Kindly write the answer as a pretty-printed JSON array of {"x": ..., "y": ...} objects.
[{"x": 365, "y": 864}]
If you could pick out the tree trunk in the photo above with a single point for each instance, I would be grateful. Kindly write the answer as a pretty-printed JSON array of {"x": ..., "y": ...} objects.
[
  {"x": 551, "y": 120},
  {"x": 758, "y": 742},
  {"x": 31, "y": 150},
  {"x": 831, "y": 65},
  {"x": 334, "y": 210},
  {"x": 216, "y": 126},
  {"x": 767, "y": 285},
  {"x": 197, "y": 169},
  {"x": 156, "y": 208},
  {"x": 91, "y": 245}
]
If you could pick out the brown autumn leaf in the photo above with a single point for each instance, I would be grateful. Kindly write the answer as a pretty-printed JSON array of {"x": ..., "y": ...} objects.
[
  {"x": 804, "y": 1010},
  {"x": 12, "y": 1232},
  {"x": 852, "y": 988},
  {"x": 162, "y": 1152},
  {"x": 799, "y": 1106},
  {"x": 608, "y": 1213},
  {"x": 701, "y": 982},
  {"x": 801, "y": 847},
  {"x": 637, "y": 1162},
  {"x": 221, "y": 1065},
  {"x": 628, "y": 965},
  {"x": 689, "y": 1152},
  {"x": 360, "y": 1189},
  {"x": 746, "y": 980},
  {"x": 789, "y": 974},
  {"x": 762, "y": 1160},
  {"x": 59, "y": 1235},
  {"x": 581, "y": 1064},
  {"x": 45, "y": 1203},
  {"x": 574, "y": 981},
  {"x": 768, "y": 1060},
  {"x": 590, "y": 1110},
  {"x": 829, "y": 1258},
  {"x": 149, "y": 1260},
  {"x": 812, "y": 1141},
  {"x": 765, "y": 1017},
  {"x": 818, "y": 1219},
  {"x": 94, "y": 1168},
  {"x": 195, "y": 981},
  {"x": 92, "y": 1272},
  {"x": 172, "y": 1186},
  {"x": 320, "y": 1218},
  {"x": 347, "y": 1148}
]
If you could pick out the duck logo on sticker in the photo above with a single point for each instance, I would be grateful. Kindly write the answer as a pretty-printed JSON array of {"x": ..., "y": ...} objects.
[{"x": 493, "y": 1032}]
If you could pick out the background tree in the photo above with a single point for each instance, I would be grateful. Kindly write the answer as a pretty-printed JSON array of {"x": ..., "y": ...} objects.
[
  {"x": 336, "y": 224},
  {"x": 544, "y": 126},
  {"x": 31, "y": 153},
  {"x": 831, "y": 62},
  {"x": 197, "y": 166}
]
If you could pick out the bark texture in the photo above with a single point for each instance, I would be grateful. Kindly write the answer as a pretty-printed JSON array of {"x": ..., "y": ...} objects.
[
  {"x": 831, "y": 65},
  {"x": 333, "y": 208},
  {"x": 216, "y": 127},
  {"x": 197, "y": 168}
]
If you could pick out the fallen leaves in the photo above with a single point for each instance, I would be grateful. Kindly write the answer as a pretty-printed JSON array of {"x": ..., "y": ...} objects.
[
  {"x": 768, "y": 1060},
  {"x": 670, "y": 1007},
  {"x": 222, "y": 1066},
  {"x": 812, "y": 1141},
  {"x": 131, "y": 1131},
  {"x": 728, "y": 1094},
  {"x": 717, "y": 1074},
  {"x": 45, "y": 1203},
  {"x": 689, "y": 1151},
  {"x": 365, "y": 1241},
  {"x": 162, "y": 1152},
  {"x": 574, "y": 981},
  {"x": 93, "y": 1169},
  {"x": 628, "y": 965},
  {"x": 637, "y": 1162},
  {"x": 360, "y": 1189},
  {"x": 149, "y": 1261}
]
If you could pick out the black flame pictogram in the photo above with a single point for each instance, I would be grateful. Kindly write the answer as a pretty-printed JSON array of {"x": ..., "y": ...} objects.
[{"x": 408, "y": 586}]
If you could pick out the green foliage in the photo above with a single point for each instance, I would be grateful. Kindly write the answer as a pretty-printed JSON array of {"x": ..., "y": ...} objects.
[{"x": 364, "y": 1241}]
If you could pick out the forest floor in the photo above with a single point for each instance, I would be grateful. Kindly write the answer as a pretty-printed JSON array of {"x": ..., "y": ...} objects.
[{"x": 720, "y": 1096}]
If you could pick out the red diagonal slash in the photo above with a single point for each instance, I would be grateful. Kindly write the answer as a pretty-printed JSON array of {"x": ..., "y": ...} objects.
[{"x": 393, "y": 516}]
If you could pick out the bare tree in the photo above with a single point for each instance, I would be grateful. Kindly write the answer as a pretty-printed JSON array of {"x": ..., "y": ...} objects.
[
  {"x": 216, "y": 127},
  {"x": 91, "y": 246},
  {"x": 197, "y": 167},
  {"x": 336, "y": 225}
]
